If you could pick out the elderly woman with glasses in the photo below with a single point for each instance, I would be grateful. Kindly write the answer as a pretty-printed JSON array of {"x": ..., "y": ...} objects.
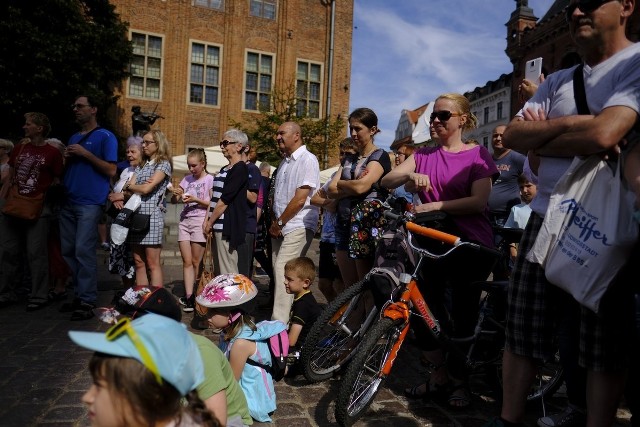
[
  {"x": 455, "y": 178},
  {"x": 150, "y": 181},
  {"x": 228, "y": 208}
]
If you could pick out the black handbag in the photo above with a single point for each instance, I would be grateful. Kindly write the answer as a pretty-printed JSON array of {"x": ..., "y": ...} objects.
[{"x": 139, "y": 222}]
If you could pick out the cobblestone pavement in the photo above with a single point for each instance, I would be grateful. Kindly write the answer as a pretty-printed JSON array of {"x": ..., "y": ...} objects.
[{"x": 43, "y": 374}]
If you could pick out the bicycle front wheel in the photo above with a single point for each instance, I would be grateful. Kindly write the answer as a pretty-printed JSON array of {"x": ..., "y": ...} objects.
[
  {"x": 364, "y": 376},
  {"x": 334, "y": 336},
  {"x": 548, "y": 379}
]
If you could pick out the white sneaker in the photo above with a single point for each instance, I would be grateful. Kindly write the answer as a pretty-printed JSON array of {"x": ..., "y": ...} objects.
[{"x": 570, "y": 417}]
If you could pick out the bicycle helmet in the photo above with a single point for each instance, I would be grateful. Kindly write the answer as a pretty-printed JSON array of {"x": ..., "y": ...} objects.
[{"x": 229, "y": 290}]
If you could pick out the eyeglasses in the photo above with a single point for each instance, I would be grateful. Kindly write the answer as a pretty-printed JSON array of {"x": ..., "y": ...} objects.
[
  {"x": 586, "y": 6},
  {"x": 397, "y": 153},
  {"x": 145, "y": 142},
  {"x": 442, "y": 115},
  {"x": 124, "y": 327},
  {"x": 79, "y": 106},
  {"x": 226, "y": 142}
]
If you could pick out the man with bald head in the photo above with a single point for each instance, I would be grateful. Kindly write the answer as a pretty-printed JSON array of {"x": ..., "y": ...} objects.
[
  {"x": 293, "y": 219},
  {"x": 505, "y": 192}
]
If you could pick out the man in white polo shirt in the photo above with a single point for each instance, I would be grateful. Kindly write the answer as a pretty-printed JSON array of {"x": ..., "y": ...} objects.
[{"x": 294, "y": 219}]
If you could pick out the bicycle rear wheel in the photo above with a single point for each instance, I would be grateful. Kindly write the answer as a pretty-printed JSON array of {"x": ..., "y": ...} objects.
[
  {"x": 333, "y": 338},
  {"x": 363, "y": 378}
]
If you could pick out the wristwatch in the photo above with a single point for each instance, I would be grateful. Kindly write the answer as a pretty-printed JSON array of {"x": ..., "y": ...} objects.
[{"x": 280, "y": 223}]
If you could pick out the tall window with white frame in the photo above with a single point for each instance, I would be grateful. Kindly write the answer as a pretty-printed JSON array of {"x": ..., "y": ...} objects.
[
  {"x": 308, "y": 78},
  {"x": 204, "y": 74},
  {"x": 146, "y": 66},
  {"x": 263, "y": 9},
  {"x": 499, "y": 110},
  {"x": 258, "y": 81},
  {"x": 486, "y": 116}
]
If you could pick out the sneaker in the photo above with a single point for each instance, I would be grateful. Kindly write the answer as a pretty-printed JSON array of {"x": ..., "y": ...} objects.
[
  {"x": 570, "y": 417},
  {"x": 84, "y": 311},
  {"x": 188, "y": 303},
  {"x": 105, "y": 246}
]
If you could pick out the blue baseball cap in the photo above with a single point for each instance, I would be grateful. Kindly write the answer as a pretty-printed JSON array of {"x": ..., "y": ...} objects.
[{"x": 161, "y": 344}]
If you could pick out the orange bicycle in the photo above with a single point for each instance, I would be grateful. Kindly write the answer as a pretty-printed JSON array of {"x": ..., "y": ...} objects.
[{"x": 380, "y": 346}]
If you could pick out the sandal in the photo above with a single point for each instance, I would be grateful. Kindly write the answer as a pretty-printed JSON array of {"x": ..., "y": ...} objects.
[
  {"x": 459, "y": 396},
  {"x": 56, "y": 296},
  {"x": 428, "y": 391},
  {"x": 416, "y": 392}
]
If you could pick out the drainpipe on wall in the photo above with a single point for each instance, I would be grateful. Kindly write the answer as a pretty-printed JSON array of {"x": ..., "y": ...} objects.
[{"x": 325, "y": 159}]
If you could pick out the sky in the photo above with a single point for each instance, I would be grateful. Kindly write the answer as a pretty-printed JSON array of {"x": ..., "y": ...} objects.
[{"x": 407, "y": 52}]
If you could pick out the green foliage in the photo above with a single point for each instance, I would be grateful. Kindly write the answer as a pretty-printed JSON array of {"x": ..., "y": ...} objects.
[
  {"x": 54, "y": 50},
  {"x": 321, "y": 136}
]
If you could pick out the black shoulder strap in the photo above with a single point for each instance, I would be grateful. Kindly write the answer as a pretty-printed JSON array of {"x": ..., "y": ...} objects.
[
  {"x": 260, "y": 365},
  {"x": 578, "y": 91},
  {"x": 87, "y": 135}
]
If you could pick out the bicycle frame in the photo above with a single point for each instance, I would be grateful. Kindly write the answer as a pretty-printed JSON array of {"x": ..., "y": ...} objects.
[{"x": 401, "y": 310}]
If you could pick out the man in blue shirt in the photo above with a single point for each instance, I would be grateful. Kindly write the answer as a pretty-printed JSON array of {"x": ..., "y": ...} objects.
[{"x": 90, "y": 164}]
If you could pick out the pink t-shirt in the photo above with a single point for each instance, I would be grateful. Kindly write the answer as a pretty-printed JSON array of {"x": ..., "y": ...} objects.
[
  {"x": 451, "y": 176},
  {"x": 198, "y": 188}
]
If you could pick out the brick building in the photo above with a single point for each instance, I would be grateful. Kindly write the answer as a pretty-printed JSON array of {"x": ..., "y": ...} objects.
[{"x": 200, "y": 63}]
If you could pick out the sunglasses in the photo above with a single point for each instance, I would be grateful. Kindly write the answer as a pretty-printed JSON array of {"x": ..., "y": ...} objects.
[
  {"x": 586, "y": 6},
  {"x": 442, "y": 115},
  {"x": 123, "y": 327},
  {"x": 226, "y": 142}
]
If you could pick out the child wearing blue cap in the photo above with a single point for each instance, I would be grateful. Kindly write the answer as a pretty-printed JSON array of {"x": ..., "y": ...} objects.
[
  {"x": 219, "y": 391},
  {"x": 138, "y": 377}
]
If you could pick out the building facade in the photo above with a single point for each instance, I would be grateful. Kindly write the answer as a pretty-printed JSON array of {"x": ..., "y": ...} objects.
[
  {"x": 202, "y": 63},
  {"x": 491, "y": 104}
]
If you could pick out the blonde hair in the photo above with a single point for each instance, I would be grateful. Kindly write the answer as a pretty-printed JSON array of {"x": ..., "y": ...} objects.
[
  {"x": 163, "y": 152},
  {"x": 200, "y": 154},
  {"x": 41, "y": 120},
  {"x": 303, "y": 268},
  {"x": 5, "y": 143},
  {"x": 464, "y": 108},
  {"x": 236, "y": 326}
]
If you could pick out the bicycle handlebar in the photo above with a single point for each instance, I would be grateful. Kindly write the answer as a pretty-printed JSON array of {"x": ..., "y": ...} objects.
[{"x": 432, "y": 233}]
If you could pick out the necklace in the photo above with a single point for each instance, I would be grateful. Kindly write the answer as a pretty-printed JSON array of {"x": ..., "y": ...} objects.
[{"x": 364, "y": 156}]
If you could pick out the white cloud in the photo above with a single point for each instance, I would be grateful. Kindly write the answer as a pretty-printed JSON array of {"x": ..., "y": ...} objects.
[{"x": 407, "y": 52}]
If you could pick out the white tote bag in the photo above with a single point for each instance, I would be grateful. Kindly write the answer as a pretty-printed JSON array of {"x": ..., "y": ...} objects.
[
  {"x": 120, "y": 226},
  {"x": 588, "y": 230}
]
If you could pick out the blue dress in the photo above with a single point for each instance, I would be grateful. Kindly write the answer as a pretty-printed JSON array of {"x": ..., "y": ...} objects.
[{"x": 257, "y": 383}]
